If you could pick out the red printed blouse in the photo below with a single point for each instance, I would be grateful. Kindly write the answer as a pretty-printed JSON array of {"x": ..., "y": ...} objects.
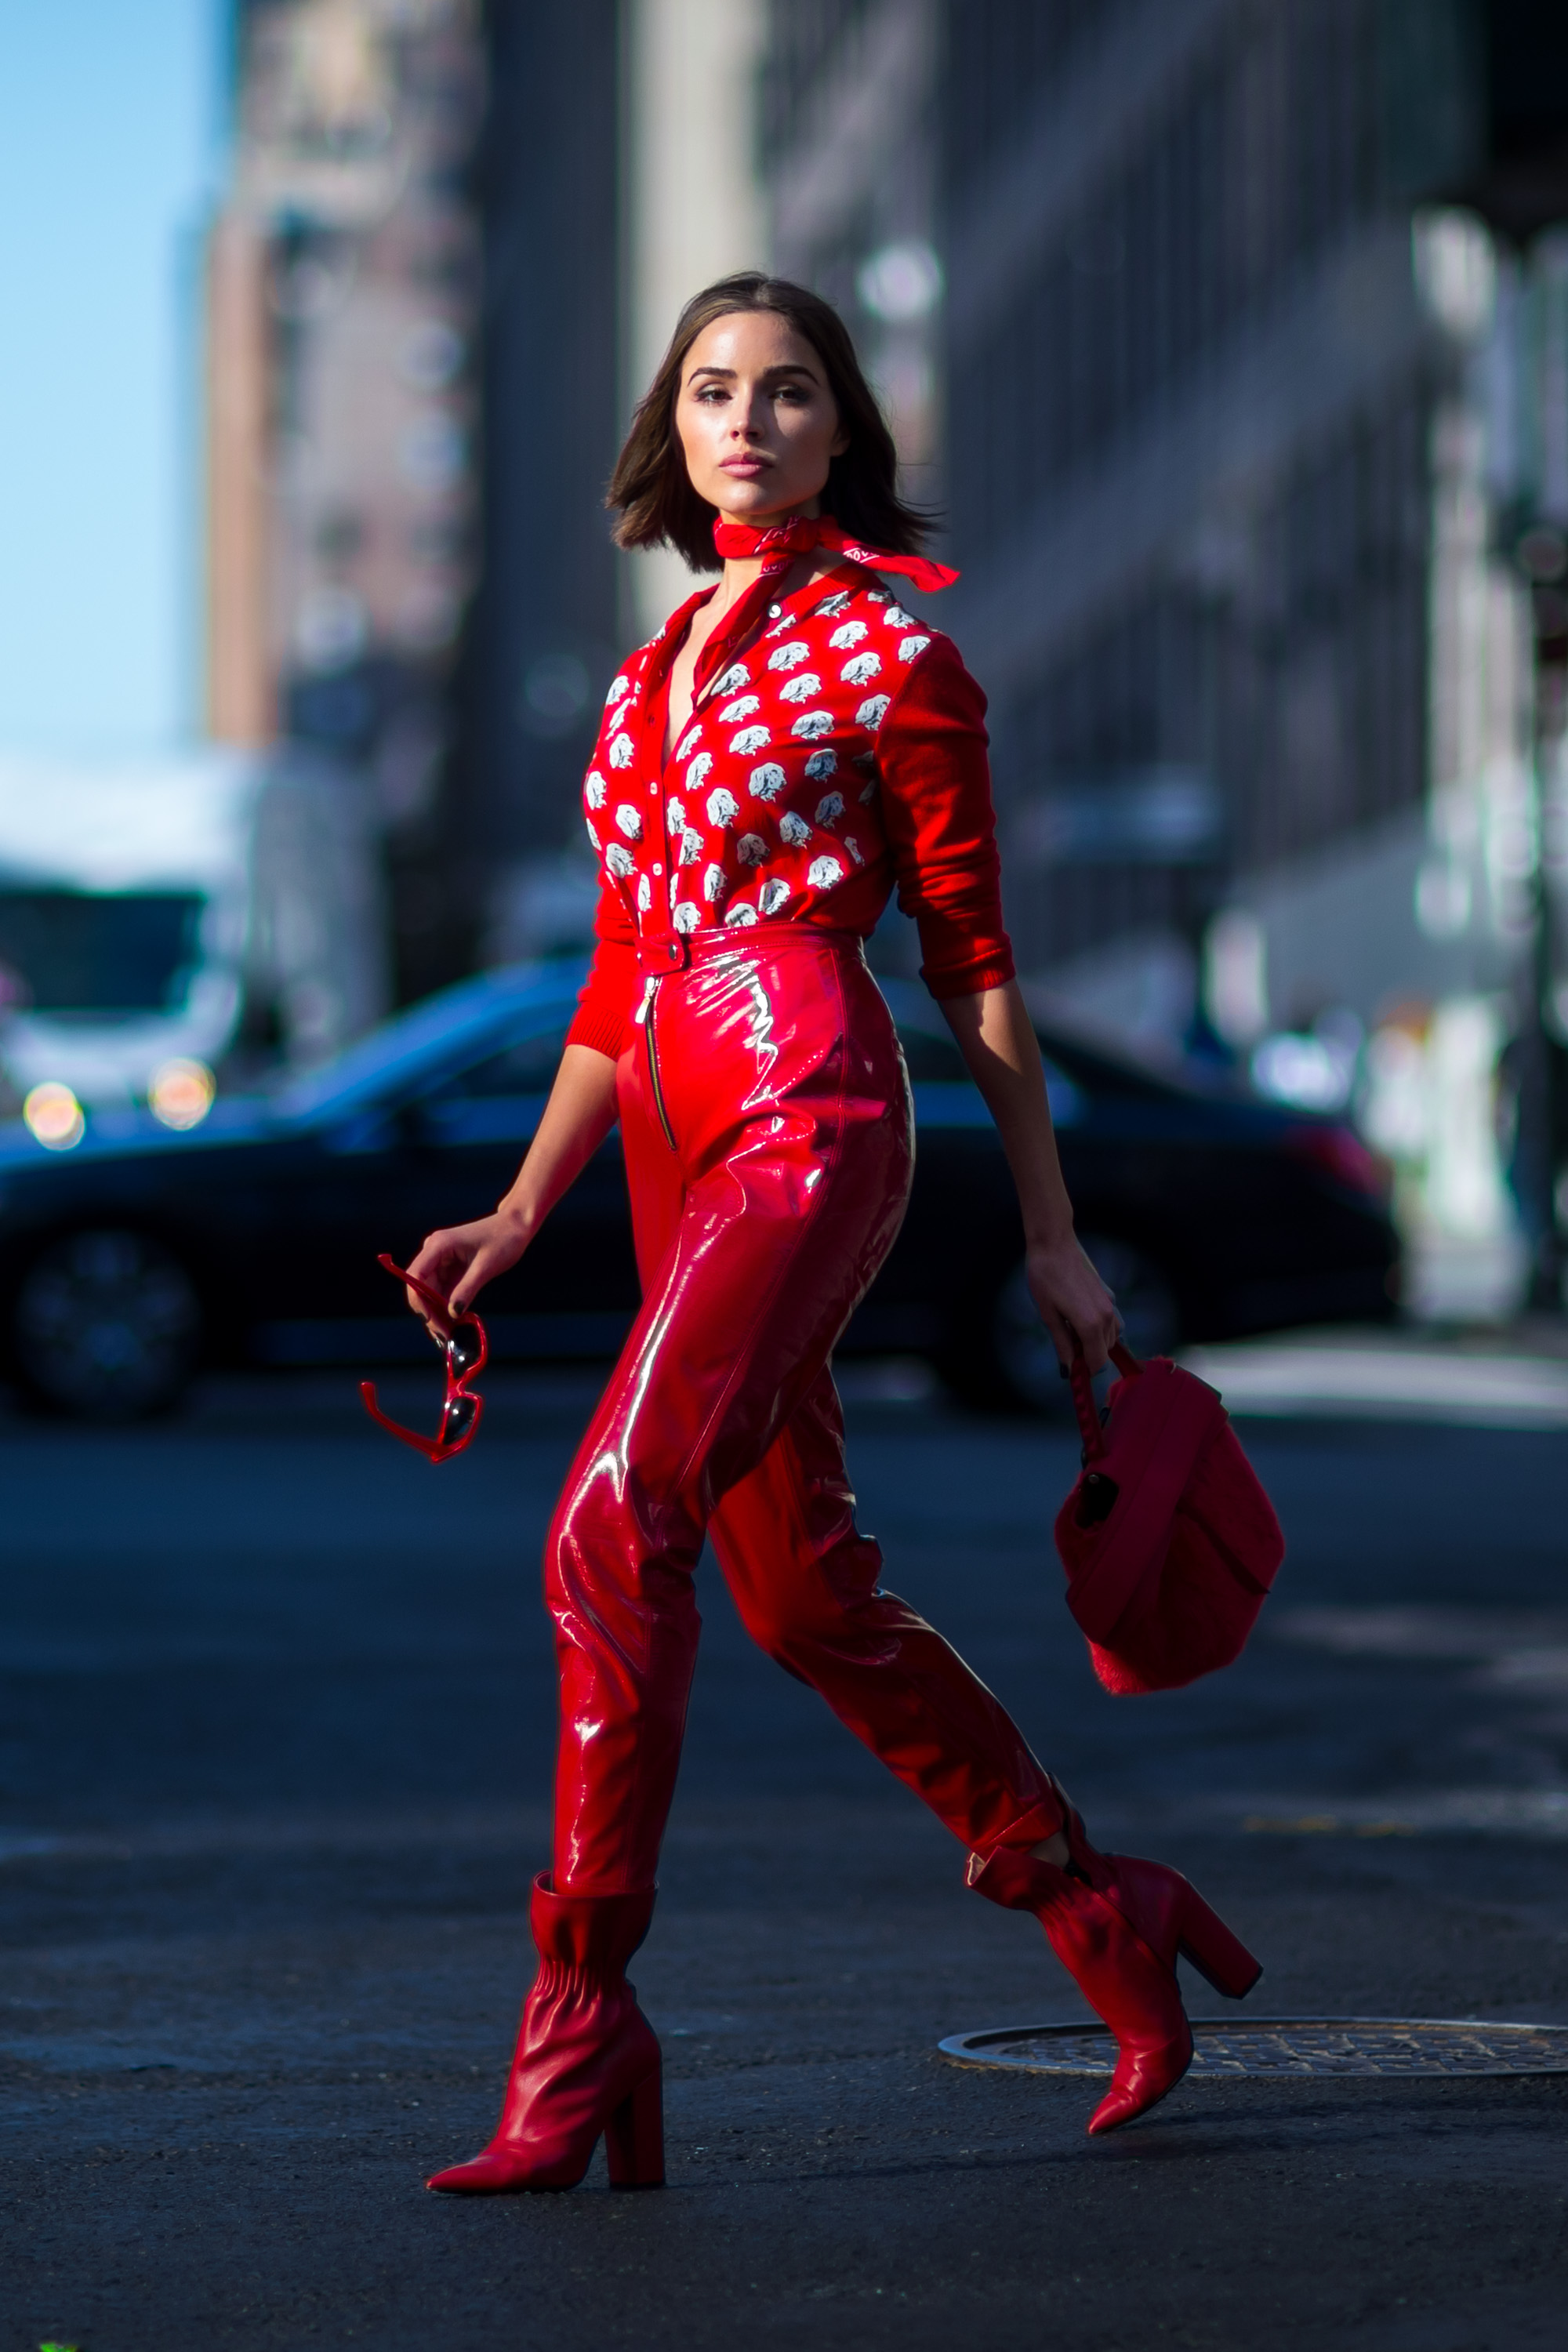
[{"x": 838, "y": 754}]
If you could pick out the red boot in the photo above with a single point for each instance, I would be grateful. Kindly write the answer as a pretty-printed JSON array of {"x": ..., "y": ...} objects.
[
  {"x": 587, "y": 2059},
  {"x": 1117, "y": 1925}
]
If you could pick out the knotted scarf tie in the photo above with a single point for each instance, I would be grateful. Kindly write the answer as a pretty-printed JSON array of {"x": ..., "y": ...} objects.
[{"x": 800, "y": 533}]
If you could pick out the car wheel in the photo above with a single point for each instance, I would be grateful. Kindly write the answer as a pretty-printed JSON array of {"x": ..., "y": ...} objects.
[
  {"x": 106, "y": 1327},
  {"x": 1009, "y": 1361}
]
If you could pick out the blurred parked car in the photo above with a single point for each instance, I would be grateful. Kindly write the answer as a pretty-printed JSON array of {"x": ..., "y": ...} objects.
[{"x": 141, "y": 1253}]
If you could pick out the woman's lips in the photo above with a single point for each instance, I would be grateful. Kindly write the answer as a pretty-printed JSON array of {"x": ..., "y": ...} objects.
[{"x": 744, "y": 466}]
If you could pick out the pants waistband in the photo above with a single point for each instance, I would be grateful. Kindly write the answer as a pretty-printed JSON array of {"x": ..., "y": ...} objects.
[{"x": 675, "y": 952}]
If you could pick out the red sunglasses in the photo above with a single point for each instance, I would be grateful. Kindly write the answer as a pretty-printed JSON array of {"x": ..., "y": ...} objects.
[{"x": 467, "y": 1354}]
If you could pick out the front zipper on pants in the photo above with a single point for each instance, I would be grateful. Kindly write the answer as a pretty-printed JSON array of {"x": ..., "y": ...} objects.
[{"x": 645, "y": 1018}]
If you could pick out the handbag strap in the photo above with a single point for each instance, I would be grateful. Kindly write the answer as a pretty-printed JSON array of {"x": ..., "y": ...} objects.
[{"x": 1093, "y": 1435}]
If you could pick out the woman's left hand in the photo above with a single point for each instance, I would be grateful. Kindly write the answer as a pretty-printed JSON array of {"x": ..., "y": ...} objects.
[{"x": 1071, "y": 1300}]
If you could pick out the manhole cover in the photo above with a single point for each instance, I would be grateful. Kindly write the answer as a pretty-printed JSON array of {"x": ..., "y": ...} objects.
[{"x": 1288, "y": 2045}]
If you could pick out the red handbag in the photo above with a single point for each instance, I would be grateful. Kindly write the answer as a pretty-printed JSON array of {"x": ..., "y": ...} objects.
[{"x": 1169, "y": 1541}]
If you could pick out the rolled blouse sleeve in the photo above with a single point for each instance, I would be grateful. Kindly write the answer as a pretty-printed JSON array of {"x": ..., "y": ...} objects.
[
  {"x": 940, "y": 825},
  {"x": 605, "y": 1000}
]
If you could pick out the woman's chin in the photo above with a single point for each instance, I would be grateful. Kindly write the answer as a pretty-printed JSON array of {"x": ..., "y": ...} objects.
[
  {"x": 741, "y": 498},
  {"x": 745, "y": 500}
]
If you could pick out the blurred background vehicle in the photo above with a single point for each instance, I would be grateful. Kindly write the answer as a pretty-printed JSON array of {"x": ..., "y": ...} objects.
[
  {"x": 198, "y": 909},
  {"x": 145, "y": 1252}
]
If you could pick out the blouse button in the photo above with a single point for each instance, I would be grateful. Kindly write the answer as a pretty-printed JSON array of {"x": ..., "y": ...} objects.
[{"x": 658, "y": 867}]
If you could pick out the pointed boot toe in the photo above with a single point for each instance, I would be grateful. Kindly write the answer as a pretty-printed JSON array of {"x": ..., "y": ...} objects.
[
  {"x": 473, "y": 2179},
  {"x": 499, "y": 2171},
  {"x": 463, "y": 2180},
  {"x": 486, "y": 2175},
  {"x": 1141, "y": 2079}
]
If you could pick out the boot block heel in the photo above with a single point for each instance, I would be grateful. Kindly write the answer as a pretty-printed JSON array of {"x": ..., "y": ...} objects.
[
  {"x": 1202, "y": 1937},
  {"x": 634, "y": 2137}
]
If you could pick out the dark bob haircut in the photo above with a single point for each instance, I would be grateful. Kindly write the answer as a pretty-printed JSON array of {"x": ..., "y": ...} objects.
[{"x": 651, "y": 489}]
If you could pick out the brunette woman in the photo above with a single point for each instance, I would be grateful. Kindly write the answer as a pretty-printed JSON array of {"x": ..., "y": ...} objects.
[{"x": 792, "y": 747}]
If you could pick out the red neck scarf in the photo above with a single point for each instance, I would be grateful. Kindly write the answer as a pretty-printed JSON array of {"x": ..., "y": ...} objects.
[{"x": 800, "y": 533}]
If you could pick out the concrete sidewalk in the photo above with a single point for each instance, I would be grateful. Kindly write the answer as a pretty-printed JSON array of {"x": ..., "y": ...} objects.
[{"x": 1514, "y": 1377}]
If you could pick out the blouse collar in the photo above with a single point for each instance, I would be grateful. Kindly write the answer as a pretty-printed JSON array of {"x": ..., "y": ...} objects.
[{"x": 760, "y": 603}]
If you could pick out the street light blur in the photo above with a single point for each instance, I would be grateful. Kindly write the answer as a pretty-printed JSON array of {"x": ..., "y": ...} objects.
[
  {"x": 180, "y": 1093},
  {"x": 53, "y": 1116}
]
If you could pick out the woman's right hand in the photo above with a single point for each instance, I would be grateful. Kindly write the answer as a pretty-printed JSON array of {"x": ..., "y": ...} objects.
[{"x": 460, "y": 1259}]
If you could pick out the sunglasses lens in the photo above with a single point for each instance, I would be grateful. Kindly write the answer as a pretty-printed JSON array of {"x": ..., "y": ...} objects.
[
  {"x": 458, "y": 1418},
  {"x": 464, "y": 1350}
]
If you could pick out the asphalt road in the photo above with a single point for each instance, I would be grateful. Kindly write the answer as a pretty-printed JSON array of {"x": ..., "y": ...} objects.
[{"x": 275, "y": 1731}]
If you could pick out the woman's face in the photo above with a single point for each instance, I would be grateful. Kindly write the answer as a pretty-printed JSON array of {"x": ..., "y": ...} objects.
[{"x": 756, "y": 419}]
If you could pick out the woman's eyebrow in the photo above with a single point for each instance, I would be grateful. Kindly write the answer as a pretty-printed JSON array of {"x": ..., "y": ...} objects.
[{"x": 784, "y": 367}]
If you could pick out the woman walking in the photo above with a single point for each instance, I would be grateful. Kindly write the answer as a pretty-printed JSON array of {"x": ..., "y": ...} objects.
[{"x": 793, "y": 746}]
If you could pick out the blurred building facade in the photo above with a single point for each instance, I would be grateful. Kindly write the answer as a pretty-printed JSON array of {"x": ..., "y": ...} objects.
[
  {"x": 543, "y": 641},
  {"x": 342, "y": 498},
  {"x": 1242, "y": 379},
  {"x": 604, "y": 209},
  {"x": 456, "y": 243},
  {"x": 851, "y": 113}
]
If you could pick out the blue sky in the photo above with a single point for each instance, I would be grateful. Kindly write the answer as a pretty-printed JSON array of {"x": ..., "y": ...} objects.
[{"x": 110, "y": 116}]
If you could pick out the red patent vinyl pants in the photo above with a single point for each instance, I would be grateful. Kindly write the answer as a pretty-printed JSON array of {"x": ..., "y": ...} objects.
[{"x": 765, "y": 1119}]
